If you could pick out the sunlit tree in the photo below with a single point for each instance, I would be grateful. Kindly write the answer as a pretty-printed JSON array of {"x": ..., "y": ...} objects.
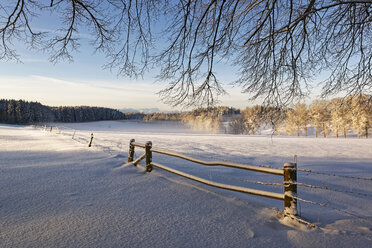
[
  {"x": 361, "y": 115},
  {"x": 340, "y": 116},
  {"x": 253, "y": 118},
  {"x": 320, "y": 114},
  {"x": 297, "y": 119}
]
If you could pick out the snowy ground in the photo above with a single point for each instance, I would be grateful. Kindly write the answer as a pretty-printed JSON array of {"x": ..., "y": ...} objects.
[{"x": 57, "y": 192}]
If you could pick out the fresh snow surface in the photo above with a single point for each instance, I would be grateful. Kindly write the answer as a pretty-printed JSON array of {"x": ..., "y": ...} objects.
[{"x": 57, "y": 192}]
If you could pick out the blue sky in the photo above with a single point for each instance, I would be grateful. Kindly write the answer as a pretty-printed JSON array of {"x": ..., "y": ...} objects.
[{"x": 84, "y": 82}]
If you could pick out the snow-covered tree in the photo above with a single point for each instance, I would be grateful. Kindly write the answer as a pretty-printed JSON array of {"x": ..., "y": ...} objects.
[
  {"x": 340, "y": 116},
  {"x": 297, "y": 119},
  {"x": 361, "y": 116},
  {"x": 203, "y": 119},
  {"x": 237, "y": 125},
  {"x": 253, "y": 118},
  {"x": 320, "y": 114}
]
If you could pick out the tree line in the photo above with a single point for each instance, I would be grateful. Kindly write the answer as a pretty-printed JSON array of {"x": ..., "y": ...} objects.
[
  {"x": 24, "y": 112},
  {"x": 203, "y": 119},
  {"x": 338, "y": 116}
]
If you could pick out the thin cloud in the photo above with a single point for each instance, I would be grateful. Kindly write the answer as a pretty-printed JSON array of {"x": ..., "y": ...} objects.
[
  {"x": 58, "y": 92},
  {"x": 140, "y": 87}
]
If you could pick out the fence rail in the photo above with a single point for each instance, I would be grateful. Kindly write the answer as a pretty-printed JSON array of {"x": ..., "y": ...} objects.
[
  {"x": 288, "y": 172},
  {"x": 256, "y": 168},
  {"x": 221, "y": 185},
  {"x": 221, "y": 163}
]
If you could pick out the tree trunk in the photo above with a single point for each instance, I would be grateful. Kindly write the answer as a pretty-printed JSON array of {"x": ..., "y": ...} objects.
[
  {"x": 324, "y": 131},
  {"x": 358, "y": 132},
  {"x": 316, "y": 131},
  {"x": 366, "y": 132},
  {"x": 298, "y": 131},
  {"x": 337, "y": 131},
  {"x": 344, "y": 132}
]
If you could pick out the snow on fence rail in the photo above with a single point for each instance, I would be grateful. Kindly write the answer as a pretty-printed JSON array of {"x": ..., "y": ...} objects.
[{"x": 288, "y": 172}]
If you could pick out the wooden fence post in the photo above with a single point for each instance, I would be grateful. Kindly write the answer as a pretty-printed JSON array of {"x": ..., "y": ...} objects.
[
  {"x": 148, "y": 147},
  {"x": 290, "y": 188},
  {"x": 91, "y": 139},
  {"x": 51, "y": 129},
  {"x": 131, "y": 151},
  {"x": 73, "y": 136}
]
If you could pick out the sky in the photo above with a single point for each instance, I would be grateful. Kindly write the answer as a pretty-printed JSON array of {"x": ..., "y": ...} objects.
[{"x": 85, "y": 82}]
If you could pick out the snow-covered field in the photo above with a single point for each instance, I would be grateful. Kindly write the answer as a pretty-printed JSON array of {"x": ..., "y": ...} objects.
[{"x": 57, "y": 192}]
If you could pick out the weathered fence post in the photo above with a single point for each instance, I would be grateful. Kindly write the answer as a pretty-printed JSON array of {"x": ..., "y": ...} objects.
[
  {"x": 290, "y": 188},
  {"x": 91, "y": 139},
  {"x": 131, "y": 150},
  {"x": 148, "y": 147},
  {"x": 51, "y": 128},
  {"x": 73, "y": 136}
]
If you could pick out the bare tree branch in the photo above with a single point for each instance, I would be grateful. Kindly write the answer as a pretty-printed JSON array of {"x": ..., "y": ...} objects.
[{"x": 279, "y": 46}]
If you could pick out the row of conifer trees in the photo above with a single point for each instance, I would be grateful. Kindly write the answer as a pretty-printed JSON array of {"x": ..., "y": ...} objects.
[{"x": 24, "y": 112}]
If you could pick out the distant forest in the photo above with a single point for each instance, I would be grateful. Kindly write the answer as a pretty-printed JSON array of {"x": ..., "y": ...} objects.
[
  {"x": 23, "y": 112},
  {"x": 348, "y": 115},
  {"x": 337, "y": 116}
]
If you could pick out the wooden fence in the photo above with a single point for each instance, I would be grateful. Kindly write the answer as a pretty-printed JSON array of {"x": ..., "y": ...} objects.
[{"x": 289, "y": 173}]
